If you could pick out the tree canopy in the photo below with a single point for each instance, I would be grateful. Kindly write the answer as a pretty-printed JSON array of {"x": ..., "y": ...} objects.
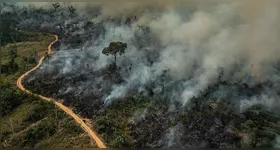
[
  {"x": 114, "y": 48},
  {"x": 56, "y": 5}
]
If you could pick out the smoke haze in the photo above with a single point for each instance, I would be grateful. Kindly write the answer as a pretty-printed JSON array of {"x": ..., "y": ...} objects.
[{"x": 196, "y": 43}]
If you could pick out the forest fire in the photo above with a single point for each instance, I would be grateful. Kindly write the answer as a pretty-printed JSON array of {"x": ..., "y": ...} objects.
[{"x": 198, "y": 69}]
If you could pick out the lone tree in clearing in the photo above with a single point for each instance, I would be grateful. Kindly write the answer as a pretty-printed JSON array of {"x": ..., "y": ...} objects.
[{"x": 115, "y": 48}]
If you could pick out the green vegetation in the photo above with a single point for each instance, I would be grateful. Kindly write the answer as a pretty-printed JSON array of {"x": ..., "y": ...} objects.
[
  {"x": 8, "y": 102},
  {"x": 113, "y": 125},
  {"x": 36, "y": 123},
  {"x": 261, "y": 125},
  {"x": 26, "y": 120},
  {"x": 16, "y": 58}
]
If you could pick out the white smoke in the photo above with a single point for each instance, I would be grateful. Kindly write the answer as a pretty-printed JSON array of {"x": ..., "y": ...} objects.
[
  {"x": 268, "y": 101},
  {"x": 213, "y": 39},
  {"x": 277, "y": 145},
  {"x": 191, "y": 41}
]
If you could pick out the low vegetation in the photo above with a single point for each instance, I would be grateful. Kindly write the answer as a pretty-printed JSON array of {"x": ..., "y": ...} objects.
[{"x": 114, "y": 123}]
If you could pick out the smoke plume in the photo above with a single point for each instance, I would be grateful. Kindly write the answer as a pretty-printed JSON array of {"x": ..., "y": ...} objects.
[{"x": 191, "y": 45}]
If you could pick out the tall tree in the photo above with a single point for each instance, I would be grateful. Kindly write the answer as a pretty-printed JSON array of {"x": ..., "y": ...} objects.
[
  {"x": 56, "y": 5},
  {"x": 72, "y": 11},
  {"x": 114, "y": 49}
]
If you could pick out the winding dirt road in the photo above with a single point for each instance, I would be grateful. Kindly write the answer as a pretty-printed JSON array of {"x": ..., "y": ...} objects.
[{"x": 66, "y": 109}]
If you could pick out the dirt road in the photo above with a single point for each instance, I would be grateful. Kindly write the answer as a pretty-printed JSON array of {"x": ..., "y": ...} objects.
[{"x": 66, "y": 109}]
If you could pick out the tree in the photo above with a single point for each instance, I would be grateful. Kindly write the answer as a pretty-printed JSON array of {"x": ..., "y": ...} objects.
[
  {"x": 72, "y": 11},
  {"x": 163, "y": 79},
  {"x": 55, "y": 6},
  {"x": 62, "y": 13},
  {"x": 115, "y": 48},
  {"x": 13, "y": 55}
]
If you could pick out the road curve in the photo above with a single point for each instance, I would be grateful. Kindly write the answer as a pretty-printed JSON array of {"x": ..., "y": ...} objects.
[{"x": 66, "y": 109}]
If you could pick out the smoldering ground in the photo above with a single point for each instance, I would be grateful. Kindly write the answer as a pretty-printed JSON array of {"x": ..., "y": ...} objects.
[
  {"x": 176, "y": 51},
  {"x": 192, "y": 42}
]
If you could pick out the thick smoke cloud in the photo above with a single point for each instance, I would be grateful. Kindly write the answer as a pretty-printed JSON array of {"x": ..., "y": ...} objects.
[{"x": 196, "y": 44}]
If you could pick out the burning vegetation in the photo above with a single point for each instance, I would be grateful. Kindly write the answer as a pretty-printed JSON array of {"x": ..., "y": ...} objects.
[{"x": 193, "y": 75}]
